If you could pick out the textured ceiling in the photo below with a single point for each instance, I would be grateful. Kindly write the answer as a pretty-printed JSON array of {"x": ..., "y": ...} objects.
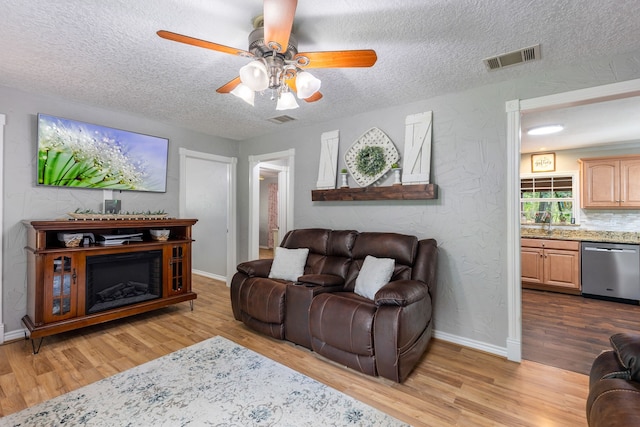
[{"x": 107, "y": 53}]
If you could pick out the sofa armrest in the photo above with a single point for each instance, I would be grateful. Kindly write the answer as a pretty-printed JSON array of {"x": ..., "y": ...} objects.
[
  {"x": 324, "y": 280},
  {"x": 256, "y": 268},
  {"x": 401, "y": 293}
]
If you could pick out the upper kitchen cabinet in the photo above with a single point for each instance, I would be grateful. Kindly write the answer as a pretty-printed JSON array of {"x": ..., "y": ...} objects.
[{"x": 610, "y": 182}]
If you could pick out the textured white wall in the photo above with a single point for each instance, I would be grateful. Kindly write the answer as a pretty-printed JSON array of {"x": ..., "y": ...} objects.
[
  {"x": 23, "y": 200},
  {"x": 468, "y": 164}
]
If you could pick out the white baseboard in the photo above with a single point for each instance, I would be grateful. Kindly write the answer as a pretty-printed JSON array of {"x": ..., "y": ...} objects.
[
  {"x": 15, "y": 335},
  {"x": 514, "y": 350},
  {"x": 466, "y": 342},
  {"x": 210, "y": 275}
]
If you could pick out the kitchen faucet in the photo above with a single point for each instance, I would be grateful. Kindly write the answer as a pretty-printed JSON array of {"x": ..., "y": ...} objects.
[{"x": 546, "y": 221}]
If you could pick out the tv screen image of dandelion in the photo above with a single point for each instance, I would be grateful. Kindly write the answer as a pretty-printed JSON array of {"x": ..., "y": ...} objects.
[{"x": 83, "y": 155}]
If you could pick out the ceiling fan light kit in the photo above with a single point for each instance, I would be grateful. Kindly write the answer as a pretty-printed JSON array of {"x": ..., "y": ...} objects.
[
  {"x": 307, "y": 84},
  {"x": 286, "y": 101},
  {"x": 245, "y": 93},
  {"x": 254, "y": 75},
  {"x": 277, "y": 64}
]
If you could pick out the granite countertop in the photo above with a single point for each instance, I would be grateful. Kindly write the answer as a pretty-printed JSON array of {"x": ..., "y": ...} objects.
[{"x": 581, "y": 235}]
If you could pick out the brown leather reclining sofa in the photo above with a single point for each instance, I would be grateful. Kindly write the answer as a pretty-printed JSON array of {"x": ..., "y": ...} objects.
[
  {"x": 383, "y": 336},
  {"x": 614, "y": 384}
]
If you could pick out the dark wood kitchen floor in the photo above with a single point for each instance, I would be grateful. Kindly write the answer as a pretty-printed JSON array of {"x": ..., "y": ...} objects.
[{"x": 569, "y": 331}]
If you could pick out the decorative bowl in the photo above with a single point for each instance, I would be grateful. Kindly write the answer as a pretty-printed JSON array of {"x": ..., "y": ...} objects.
[
  {"x": 70, "y": 240},
  {"x": 159, "y": 234}
]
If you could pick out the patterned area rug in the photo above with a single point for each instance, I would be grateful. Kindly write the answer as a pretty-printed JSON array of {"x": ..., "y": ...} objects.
[{"x": 213, "y": 383}]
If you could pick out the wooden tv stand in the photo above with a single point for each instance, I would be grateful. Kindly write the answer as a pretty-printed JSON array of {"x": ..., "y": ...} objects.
[{"x": 56, "y": 276}]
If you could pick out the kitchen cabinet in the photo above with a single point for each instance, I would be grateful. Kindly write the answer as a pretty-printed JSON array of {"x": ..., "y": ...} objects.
[
  {"x": 551, "y": 265},
  {"x": 610, "y": 182}
]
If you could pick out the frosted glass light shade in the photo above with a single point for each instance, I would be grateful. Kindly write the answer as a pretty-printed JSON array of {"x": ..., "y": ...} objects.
[
  {"x": 255, "y": 76},
  {"x": 306, "y": 84},
  {"x": 545, "y": 130},
  {"x": 286, "y": 101},
  {"x": 243, "y": 92}
]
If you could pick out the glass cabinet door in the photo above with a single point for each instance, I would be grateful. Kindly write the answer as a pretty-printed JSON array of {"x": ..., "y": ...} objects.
[
  {"x": 177, "y": 270},
  {"x": 60, "y": 288}
]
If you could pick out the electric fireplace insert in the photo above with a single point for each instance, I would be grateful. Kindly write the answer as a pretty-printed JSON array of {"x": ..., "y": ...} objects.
[{"x": 116, "y": 280}]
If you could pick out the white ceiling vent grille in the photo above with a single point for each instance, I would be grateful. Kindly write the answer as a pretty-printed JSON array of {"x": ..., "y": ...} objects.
[
  {"x": 281, "y": 119},
  {"x": 513, "y": 58}
]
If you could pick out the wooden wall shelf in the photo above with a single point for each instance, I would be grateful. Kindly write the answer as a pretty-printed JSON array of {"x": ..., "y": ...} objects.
[{"x": 391, "y": 192}]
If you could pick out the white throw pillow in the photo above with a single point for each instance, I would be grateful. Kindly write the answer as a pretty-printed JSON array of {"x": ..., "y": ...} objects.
[
  {"x": 374, "y": 274},
  {"x": 288, "y": 264}
]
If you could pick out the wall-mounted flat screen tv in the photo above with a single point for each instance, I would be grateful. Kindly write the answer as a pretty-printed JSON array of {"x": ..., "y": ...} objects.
[{"x": 75, "y": 154}]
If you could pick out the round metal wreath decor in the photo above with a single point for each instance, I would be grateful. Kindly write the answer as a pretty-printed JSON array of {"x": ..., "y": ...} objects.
[{"x": 370, "y": 160}]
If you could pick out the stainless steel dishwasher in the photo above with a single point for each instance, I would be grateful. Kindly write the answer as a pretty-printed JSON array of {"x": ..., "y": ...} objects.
[{"x": 611, "y": 270}]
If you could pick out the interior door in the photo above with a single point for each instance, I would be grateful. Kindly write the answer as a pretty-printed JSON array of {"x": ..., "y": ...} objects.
[{"x": 206, "y": 197}]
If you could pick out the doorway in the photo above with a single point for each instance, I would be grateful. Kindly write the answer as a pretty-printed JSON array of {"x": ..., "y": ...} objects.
[
  {"x": 269, "y": 227},
  {"x": 214, "y": 246},
  {"x": 514, "y": 110},
  {"x": 280, "y": 164}
]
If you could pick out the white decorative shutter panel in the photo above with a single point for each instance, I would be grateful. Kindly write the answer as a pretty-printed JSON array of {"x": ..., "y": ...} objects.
[
  {"x": 416, "y": 165},
  {"x": 327, "y": 172}
]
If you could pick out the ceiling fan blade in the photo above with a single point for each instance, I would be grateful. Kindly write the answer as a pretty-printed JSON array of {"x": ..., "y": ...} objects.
[
  {"x": 228, "y": 87},
  {"x": 339, "y": 58},
  {"x": 278, "y": 21},
  {"x": 202, "y": 43},
  {"x": 315, "y": 97},
  {"x": 292, "y": 85}
]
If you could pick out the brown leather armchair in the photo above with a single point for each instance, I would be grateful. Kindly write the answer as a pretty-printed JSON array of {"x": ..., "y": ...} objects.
[
  {"x": 614, "y": 384},
  {"x": 385, "y": 336}
]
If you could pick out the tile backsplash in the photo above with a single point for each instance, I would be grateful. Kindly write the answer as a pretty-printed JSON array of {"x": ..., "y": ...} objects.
[{"x": 610, "y": 220}]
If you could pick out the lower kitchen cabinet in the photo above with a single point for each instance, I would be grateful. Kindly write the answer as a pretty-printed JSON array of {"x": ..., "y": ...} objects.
[{"x": 551, "y": 265}]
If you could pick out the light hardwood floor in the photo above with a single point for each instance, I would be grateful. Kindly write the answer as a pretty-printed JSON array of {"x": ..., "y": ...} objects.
[{"x": 452, "y": 385}]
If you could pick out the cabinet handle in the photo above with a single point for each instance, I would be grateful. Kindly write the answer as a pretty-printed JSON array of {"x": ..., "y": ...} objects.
[{"x": 73, "y": 276}]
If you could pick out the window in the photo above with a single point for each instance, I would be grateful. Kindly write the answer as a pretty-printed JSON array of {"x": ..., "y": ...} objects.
[{"x": 549, "y": 198}]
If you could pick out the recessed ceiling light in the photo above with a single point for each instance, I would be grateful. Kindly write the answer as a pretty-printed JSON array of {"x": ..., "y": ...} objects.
[{"x": 545, "y": 130}]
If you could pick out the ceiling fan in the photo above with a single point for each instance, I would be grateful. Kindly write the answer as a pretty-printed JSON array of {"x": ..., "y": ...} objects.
[{"x": 277, "y": 65}]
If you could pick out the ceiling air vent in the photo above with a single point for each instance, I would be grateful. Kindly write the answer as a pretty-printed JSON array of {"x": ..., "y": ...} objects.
[
  {"x": 281, "y": 119},
  {"x": 512, "y": 58}
]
